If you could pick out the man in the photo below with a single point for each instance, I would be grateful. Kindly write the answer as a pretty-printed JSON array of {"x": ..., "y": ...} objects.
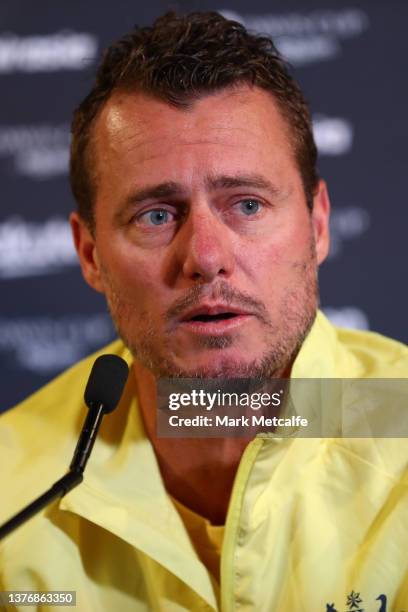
[{"x": 202, "y": 219}]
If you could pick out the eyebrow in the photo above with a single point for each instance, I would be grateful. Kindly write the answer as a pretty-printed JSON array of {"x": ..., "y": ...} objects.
[
  {"x": 256, "y": 181},
  {"x": 171, "y": 189},
  {"x": 163, "y": 190}
]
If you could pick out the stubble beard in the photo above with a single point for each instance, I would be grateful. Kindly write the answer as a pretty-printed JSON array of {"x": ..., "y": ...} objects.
[{"x": 297, "y": 311}]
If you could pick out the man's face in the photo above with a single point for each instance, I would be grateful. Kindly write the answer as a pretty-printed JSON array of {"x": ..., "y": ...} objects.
[{"x": 204, "y": 246}]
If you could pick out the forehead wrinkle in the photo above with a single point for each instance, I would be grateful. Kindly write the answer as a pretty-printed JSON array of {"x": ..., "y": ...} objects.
[
  {"x": 163, "y": 151},
  {"x": 169, "y": 140},
  {"x": 211, "y": 182},
  {"x": 183, "y": 135},
  {"x": 180, "y": 137}
]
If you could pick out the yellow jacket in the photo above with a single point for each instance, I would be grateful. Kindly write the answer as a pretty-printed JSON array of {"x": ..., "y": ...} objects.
[{"x": 311, "y": 522}]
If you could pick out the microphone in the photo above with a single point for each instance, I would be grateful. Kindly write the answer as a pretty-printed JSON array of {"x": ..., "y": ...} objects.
[{"x": 102, "y": 394}]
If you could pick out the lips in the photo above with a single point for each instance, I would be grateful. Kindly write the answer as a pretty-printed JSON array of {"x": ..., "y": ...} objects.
[
  {"x": 214, "y": 320},
  {"x": 214, "y": 313}
]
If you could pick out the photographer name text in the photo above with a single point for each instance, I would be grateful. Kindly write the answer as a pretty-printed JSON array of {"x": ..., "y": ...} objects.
[{"x": 253, "y": 420}]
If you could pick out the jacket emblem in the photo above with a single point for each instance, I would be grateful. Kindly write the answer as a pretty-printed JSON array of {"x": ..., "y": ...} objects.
[{"x": 354, "y": 603}]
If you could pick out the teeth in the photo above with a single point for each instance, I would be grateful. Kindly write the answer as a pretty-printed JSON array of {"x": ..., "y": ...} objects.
[{"x": 218, "y": 317}]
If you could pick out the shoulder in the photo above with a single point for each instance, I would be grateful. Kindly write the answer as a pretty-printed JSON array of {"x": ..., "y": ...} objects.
[
  {"x": 376, "y": 355},
  {"x": 334, "y": 352}
]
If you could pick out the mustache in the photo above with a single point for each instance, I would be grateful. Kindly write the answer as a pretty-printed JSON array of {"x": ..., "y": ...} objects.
[{"x": 220, "y": 291}]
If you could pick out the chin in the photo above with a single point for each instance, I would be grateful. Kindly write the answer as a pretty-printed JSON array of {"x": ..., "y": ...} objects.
[{"x": 231, "y": 365}]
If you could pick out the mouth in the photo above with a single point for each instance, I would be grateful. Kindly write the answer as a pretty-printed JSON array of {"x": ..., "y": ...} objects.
[
  {"x": 214, "y": 320},
  {"x": 207, "y": 318}
]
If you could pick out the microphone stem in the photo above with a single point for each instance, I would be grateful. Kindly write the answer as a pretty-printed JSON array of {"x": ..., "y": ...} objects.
[
  {"x": 58, "y": 489},
  {"x": 87, "y": 438},
  {"x": 69, "y": 481}
]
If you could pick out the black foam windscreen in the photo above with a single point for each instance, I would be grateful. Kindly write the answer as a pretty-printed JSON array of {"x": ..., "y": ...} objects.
[{"x": 106, "y": 382}]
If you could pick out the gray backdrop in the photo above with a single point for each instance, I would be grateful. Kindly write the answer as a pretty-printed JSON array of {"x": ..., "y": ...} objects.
[{"x": 350, "y": 58}]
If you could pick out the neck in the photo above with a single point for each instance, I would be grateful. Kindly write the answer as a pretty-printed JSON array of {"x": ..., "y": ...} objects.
[{"x": 198, "y": 472}]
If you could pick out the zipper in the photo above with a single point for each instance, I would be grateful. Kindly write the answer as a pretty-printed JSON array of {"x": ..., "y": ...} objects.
[{"x": 232, "y": 523}]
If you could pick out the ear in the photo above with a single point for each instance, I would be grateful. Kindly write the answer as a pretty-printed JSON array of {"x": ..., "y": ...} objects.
[
  {"x": 320, "y": 221},
  {"x": 86, "y": 248}
]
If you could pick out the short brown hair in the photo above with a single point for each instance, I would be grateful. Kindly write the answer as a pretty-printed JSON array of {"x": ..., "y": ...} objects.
[{"x": 179, "y": 59}]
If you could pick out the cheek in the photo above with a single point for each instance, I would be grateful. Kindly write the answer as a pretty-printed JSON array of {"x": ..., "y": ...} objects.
[
  {"x": 133, "y": 279},
  {"x": 273, "y": 261},
  {"x": 142, "y": 287}
]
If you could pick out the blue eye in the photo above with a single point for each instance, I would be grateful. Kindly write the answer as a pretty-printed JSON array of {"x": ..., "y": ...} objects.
[
  {"x": 249, "y": 207},
  {"x": 159, "y": 216}
]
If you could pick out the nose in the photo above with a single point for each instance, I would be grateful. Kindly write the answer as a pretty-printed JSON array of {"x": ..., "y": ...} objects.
[{"x": 206, "y": 247}]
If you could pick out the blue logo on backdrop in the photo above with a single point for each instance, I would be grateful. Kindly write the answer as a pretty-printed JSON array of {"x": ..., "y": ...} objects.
[
  {"x": 351, "y": 317},
  {"x": 304, "y": 38},
  {"x": 333, "y": 135},
  {"x": 32, "y": 249},
  {"x": 38, "y": 151},
  {"x": 47, "y": 53},
  {"x": 347, "y": 223},
  {"x": 45, "y": 345}
]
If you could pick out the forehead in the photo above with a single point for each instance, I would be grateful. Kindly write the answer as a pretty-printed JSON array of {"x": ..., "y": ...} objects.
[{"x": 136, "y": 134}]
